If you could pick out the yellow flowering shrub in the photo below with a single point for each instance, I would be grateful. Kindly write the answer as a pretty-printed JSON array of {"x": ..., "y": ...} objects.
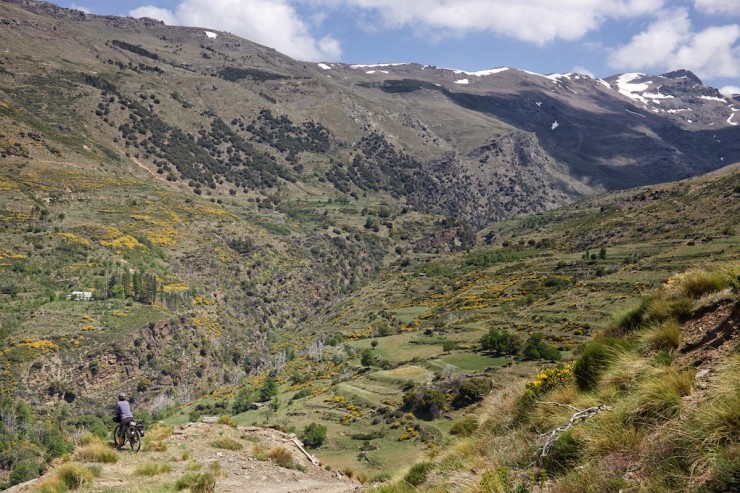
[
  {"x": 550, "y": 378},
  {"x": 73, "y": 238}
]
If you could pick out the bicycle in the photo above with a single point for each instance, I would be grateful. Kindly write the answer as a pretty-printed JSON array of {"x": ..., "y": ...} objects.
[{"x": 133, "y": 435}]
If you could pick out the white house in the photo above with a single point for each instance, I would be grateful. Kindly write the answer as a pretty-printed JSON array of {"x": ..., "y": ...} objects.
[{"x": 80, "y": 296}]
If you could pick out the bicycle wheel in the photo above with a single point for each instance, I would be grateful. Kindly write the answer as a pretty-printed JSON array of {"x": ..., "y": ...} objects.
[
  {"x": 134, "y": 439},
  {"x": 118, "y": 440}
]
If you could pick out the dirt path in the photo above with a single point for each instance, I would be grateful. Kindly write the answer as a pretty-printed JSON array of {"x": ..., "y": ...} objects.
[{"x": 190, "y": 449}]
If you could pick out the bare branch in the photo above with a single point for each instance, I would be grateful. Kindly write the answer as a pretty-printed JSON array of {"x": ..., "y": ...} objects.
[{"x": 579, "y": 415}]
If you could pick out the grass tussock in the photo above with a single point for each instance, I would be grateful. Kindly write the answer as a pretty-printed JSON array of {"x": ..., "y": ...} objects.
[
  {"x": 97, "y": 452},
  {"x": 74, "y": 475},
  {"x": 464, "y": 426},
  {"x": 628, "y": 368},
  {"x": 666, "y": 335},
  {"x": 50, "y": 485},
  {"x": 155, "y": 439},
  {"x": 593, "y": 476},
  {"x": 697, "y": 283},
  {"x": 160, "y": 432},
  {"x": 418, "y": 473},
  {"x": 282, "y": 457},
  {"x": 153, "y": 469},
  {"x": 650, "y": 403},
  {"x": 608, "y": 433},
  {"x": 227, "y": 444},
  {"x": 197, "y": 483},
  {"x": 86, "y": 438}
]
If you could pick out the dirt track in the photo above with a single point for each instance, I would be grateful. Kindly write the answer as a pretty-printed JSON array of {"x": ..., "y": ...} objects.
[{"x": 240, "y": 470}]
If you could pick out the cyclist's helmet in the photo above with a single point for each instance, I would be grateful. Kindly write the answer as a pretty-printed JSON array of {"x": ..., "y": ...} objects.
[{"x": 121, "y": 396}]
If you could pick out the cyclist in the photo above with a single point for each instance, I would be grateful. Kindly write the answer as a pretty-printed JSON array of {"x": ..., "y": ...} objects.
[{"x": 123, "y": 416}]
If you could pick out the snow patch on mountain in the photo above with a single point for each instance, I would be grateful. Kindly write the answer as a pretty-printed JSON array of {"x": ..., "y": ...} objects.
[
  {"x": 656, "y": 95},
  {"x": 377, "y": 65},
  {"x": 713, "y": 98},
  {"x": 324, "y": 66},
  {"x": 462, "y": 81},
  {"x": 211, "y": 35},
  {"x": 554, "y": 125},
  {"x": 481, "y": 73},
  {"x": 626, "y": 87}
]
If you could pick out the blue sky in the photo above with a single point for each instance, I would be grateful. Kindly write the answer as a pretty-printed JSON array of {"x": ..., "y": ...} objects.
[{"x": 596, "y": 37}]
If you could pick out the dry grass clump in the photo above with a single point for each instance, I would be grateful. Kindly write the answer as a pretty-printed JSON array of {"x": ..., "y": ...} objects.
[
  {"x": 197, "y": 483},
  {"x": 666, "y": 335},
  {"x": 153, "y": 469},
  {"x": 50, "y": 485},
  {"x": 652, "y": 309},
  {"x": 74, "y": 475},
  {"x": 593, "y": 476},
  {"x": 652, "y": 402},
  {"x": 696, "y": 283},
  {"x": 97, "y": 452},
  {"x": 282, "y": 457},
  {"x": 85, "y": 438},
  {"x": 155, "y": 439},
  {"x": 227, "y": 444},
  {"x": 718, "y": 422},
  {"x": 607, "y": 433},
  {"x": 628, "y": 367}
]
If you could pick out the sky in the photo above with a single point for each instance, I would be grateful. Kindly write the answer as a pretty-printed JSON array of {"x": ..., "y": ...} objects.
[{"x": 592, "y": 37}]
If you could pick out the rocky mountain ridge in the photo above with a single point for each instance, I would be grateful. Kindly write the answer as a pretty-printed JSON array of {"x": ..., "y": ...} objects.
[{"x": 572, "y": 135}]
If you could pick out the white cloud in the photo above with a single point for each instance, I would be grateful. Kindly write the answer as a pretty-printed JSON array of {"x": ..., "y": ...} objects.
[
  {"x": 729, "y": 90},
  {"x": 534, "y": 21},
  {"x": 670, "y": 43},
  {"x": 714, "y": 52},
  {"x": 731, "y": 7},
  {"x": 274, "y": 23},
  {"x": 163, "y": 15},
  {"x": 80, "y": 8},
  {"x": 653, "y": 46},
  {"x": 583, "y": 71}
]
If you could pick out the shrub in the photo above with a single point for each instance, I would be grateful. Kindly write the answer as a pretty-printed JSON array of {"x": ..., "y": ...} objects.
[
  {"x": 427, "y": 403},
  {"x": 268, "y": 390},
  {"x": 471, "y": 391},
  {"x": 227, "y": 444},
  {"x": 465, "y": 426},
  {"x": 499, "y": 342},
  {"x": 367, "y": 359},
  {"x": 537, "y": 348},
  {"x": 243, "y": 401},
  {"x": 418, "y": 473},
  {"x": 197, "y": 483},
  {"x": 97, "y": 452},
  {"x": 314, "y": 435},
  {"x": 23, "y": 471},
  {"x": 74, "y": 475}
]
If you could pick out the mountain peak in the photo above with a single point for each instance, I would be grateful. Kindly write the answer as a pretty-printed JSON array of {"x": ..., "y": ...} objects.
[{"x": 682, "y": 74}]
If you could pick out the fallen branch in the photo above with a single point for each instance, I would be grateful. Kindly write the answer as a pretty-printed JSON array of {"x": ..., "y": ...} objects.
[{"x": 579, "y": 415}]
